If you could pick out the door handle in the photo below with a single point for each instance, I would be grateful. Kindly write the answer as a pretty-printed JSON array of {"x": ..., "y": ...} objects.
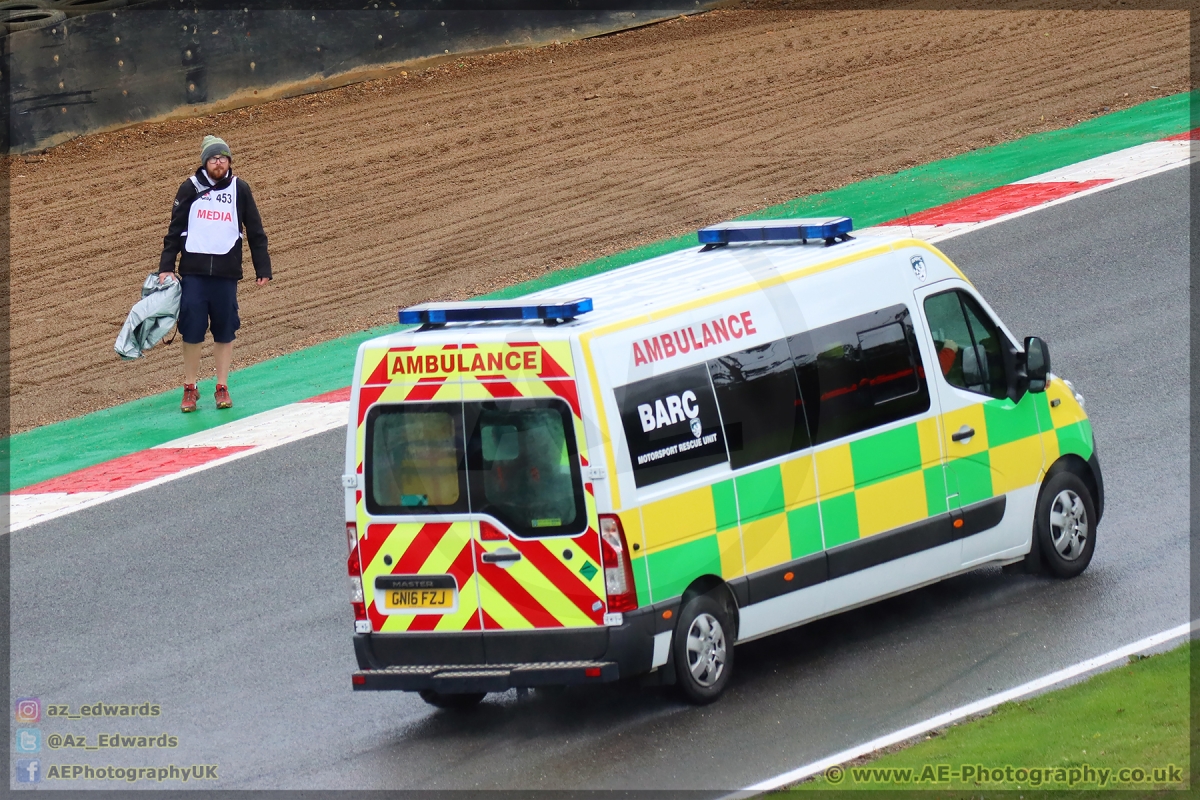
[
  {"x": 500, "y": 558},
  {"x": 963, "y": 433}
]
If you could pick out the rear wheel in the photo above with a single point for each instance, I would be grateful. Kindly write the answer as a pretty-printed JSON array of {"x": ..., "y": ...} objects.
[
  {"x": 1065, "y": 527},
  {"x": 453, "y": 702},
  {"x": 703, "y": 650}
]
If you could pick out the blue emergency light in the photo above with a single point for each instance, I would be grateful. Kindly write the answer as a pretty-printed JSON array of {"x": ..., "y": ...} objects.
[
  {"x": 831, "y": 229},
  {"x": 438, "y": 314}
]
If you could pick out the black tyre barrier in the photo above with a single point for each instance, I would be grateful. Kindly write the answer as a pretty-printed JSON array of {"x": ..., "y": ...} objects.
[
  {"x": 31, "y": 20},
  {"x": 9, "y": 7},
  {"x": 173, "y": 58},
  {"x": 74, "y": 8}
]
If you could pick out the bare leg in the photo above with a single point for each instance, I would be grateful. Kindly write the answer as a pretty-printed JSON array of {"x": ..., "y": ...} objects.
[
  {"x": 191, "y": 362},
  {"x": 224, "y": 356}
]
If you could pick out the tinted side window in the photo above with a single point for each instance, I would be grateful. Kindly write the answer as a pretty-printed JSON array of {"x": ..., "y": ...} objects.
[
  {"x": 968, "y": 343},
  {"x": 671, "y": 425},
  {"x": 760, "y": 403},
  {"x": 860, "y": 373}
]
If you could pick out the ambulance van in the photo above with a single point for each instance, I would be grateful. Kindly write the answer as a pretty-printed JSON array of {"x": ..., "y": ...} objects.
[{"x": 629, "y": 474}]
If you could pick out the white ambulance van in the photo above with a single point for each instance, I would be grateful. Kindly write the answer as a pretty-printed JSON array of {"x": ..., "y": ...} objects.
[{"x": 630, "y": 474}]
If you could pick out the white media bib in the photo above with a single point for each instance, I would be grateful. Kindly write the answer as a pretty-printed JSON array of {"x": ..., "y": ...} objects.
[{"x": 212, "y": 221}]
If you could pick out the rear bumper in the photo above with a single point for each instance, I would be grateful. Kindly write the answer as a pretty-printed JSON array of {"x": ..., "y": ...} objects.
[
  {"x": 494, "y": 661},
  {"x": 455, "y": 679}
]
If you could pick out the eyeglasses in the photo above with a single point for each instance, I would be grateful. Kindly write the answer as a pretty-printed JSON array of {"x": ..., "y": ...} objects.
[{"x": 220, "y": 159}]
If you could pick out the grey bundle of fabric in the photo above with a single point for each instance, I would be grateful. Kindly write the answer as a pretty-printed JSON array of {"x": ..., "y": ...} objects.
[{"x": 151, "y": 319}]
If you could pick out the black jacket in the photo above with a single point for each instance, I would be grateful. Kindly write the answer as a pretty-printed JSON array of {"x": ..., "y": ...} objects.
[{"x": 228, "y": 265}]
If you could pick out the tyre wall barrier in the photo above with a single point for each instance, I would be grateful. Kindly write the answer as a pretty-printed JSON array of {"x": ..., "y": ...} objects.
[{"x": 165, "y": 58}]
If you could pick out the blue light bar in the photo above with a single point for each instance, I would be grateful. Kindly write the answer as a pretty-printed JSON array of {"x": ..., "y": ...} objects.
[
  {"x": 777, "y": 230},
  {"x": 441, "y": 313}
]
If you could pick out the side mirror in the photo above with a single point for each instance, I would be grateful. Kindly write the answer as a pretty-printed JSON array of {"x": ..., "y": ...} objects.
[{"x": 1037, "y": 363}]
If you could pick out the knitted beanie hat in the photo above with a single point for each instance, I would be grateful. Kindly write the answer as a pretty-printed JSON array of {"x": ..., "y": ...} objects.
[{"x": 213, "y": 146}]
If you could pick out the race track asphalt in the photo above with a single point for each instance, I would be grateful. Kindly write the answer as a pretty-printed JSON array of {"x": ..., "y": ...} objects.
[{"x": 223, "y": 596}]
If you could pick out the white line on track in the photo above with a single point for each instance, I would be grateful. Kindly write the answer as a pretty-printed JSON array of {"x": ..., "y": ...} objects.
[
  {"x": 954, "y": 715},
  {"x": 262, "y": 431},
  {"x": 1182, "y": 157}
]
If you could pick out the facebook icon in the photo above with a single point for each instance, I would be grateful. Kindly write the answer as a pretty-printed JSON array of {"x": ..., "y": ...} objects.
[{"x": 29, "y": 770}]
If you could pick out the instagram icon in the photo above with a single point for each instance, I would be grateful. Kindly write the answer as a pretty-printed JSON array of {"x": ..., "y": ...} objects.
[{"x": 29, "y": 709}]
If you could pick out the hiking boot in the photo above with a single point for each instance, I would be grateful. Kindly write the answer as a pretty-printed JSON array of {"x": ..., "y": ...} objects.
[
  {"x": 191, "y": 396},
  {"x": 222, "y": 396}
]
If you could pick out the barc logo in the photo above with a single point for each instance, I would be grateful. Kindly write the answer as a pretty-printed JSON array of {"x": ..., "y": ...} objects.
[
  {"x": 29, "y": 770},
  {"x": 669, "y": 410},
  {"x": 29, "y": 709},
  {"x": 29, "y": 740}
]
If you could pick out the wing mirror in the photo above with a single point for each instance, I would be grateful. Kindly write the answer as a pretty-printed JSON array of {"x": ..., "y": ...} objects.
[{"x": 1037, "y": 363}]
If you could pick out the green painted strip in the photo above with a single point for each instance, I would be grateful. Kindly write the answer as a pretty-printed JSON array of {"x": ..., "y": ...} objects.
[
  {"x": 804, "y": 530},
  {"x": 74, "y": 444},
  {"x": 724, "y": 505},
  {"x": 839, "y": 516},
  {"x": 1008, "y": 422},
  {"x": 672, "y": 570},
  {"x": 759, "y": 494},
  {"x": 884, "y": 456}
]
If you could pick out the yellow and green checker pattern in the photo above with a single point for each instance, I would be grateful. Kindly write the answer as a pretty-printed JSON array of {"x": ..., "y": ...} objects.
[{"x": 776, "y": 514}]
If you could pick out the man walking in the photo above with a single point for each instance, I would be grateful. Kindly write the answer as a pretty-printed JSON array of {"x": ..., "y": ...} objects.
[{"x": 211, "y": 209}]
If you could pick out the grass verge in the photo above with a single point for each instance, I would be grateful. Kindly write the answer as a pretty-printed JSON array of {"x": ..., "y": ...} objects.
[{"x": 1127, "y": 729}]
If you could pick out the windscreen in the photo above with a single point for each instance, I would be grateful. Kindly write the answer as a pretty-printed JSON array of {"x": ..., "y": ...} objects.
[{"x": 514, "y": 459}]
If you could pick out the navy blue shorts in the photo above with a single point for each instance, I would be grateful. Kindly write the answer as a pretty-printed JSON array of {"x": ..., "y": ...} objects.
[{"x": 208, "y": 298}]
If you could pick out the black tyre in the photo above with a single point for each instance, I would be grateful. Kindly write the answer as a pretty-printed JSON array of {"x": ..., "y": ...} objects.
[
  {"x": 10, "y": 6},
  {"x": 74, "y": 8},
  {"x": 31, "y": 20},
  {"x": 703, "y": 650},
  {"x": 1064, "y": 527},
  {"x": 453, "y": 702}
]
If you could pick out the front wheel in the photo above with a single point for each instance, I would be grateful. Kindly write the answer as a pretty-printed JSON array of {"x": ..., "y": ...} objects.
[
  {"x": 1065, "y": 527},
  {"x": 703, "y": 650},
  {"x": 452, "y": 702}
]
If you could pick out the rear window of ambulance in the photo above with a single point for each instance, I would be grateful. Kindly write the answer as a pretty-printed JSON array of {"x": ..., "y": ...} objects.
[
  {"x": 524, "y": 466},
  {"x": 414, "y": 460},
  {"x": 513, "y": 459}
]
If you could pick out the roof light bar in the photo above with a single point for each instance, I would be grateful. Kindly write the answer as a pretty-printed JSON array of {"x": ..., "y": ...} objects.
[
  {"x": 831, "y": 229},
  {"x": 438, "y": 314}
]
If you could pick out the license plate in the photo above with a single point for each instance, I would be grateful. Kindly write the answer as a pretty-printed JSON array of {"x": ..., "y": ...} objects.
[{"x": 416, "y": 594}]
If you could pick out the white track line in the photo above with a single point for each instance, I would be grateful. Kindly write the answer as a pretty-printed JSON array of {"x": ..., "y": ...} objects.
[
  {"x": 940, "y": 233},
  {"x": 962, "y": 712},
  {"x": 259, "y": 432}
]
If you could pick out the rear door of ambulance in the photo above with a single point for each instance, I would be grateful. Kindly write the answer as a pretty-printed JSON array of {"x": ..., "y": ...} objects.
[{"x": 474, "y": 456}]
